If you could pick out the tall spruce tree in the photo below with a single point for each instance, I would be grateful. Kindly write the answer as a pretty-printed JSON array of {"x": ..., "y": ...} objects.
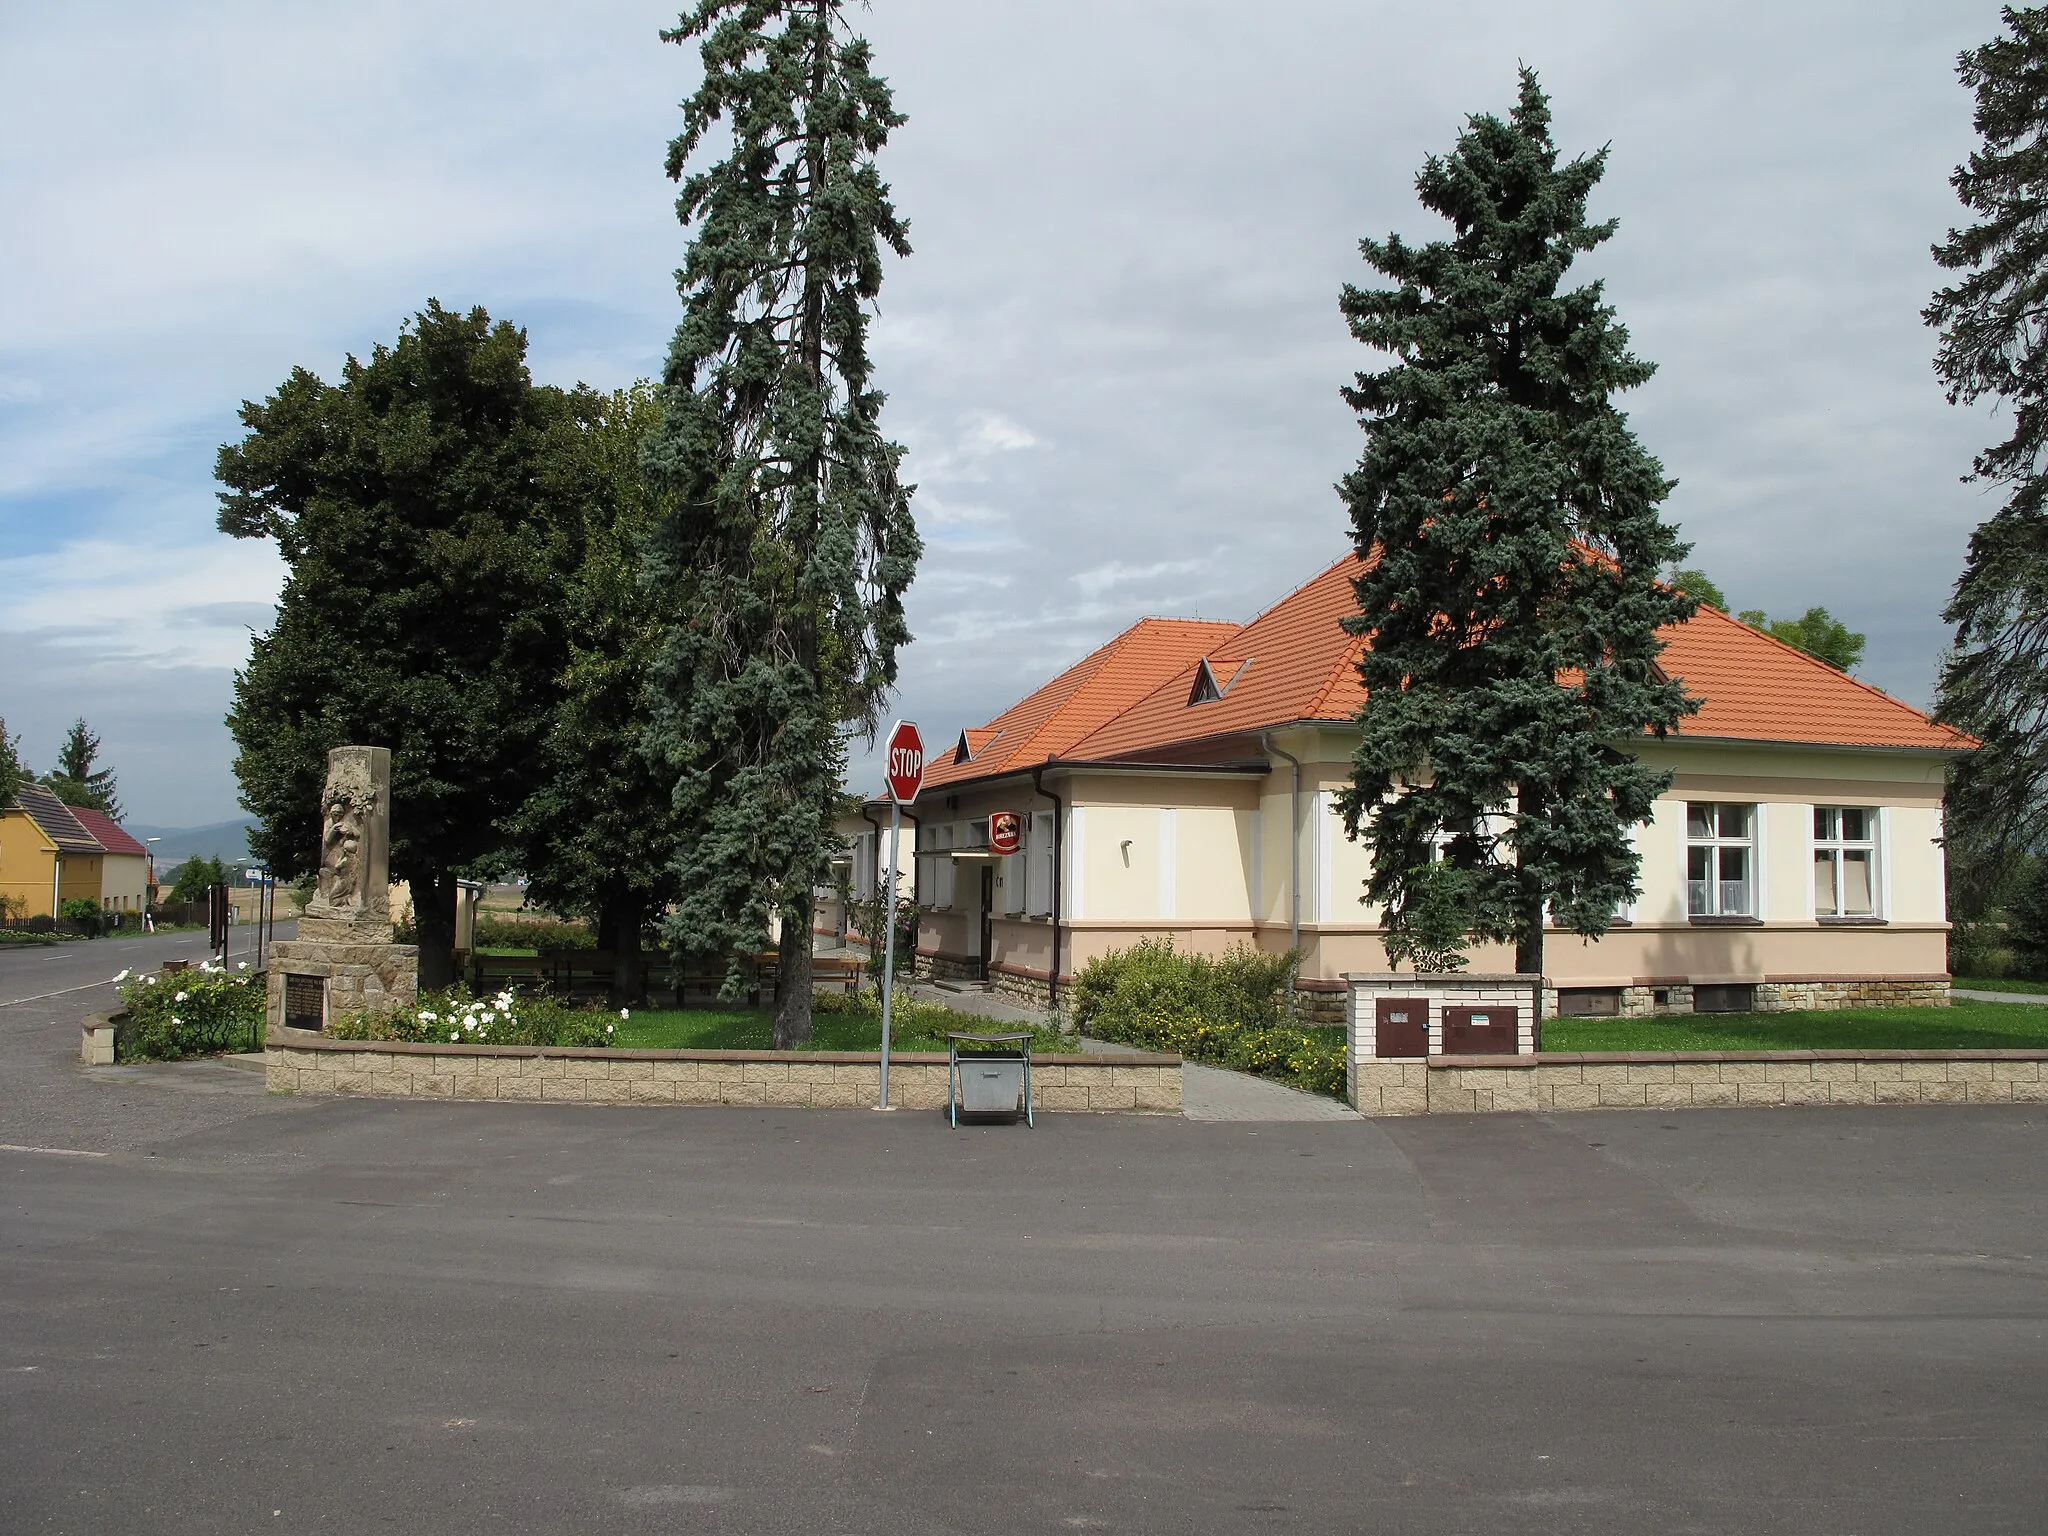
[
  {"x": 598, "y": 836},
  {"x": 1510, "y": 521},
  {"x": 78, "y": 779},
  {"x": 418, "y": 507},
  {"x": 12, "y": 774},
  {"x": 789, "y": 540},
  {"x": 1994, "y": 343}
]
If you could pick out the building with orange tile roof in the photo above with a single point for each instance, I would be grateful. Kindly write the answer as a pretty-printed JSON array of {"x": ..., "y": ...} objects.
[{"x": 1180, "y": 781}]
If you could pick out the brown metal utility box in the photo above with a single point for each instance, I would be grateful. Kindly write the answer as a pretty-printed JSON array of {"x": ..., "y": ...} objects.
[
  {"x": 1400, "y": 1027},
  {"x": 1488, "y": 1031}
]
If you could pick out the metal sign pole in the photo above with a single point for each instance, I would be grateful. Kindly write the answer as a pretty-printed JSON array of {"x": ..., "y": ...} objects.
[{"x": 889, "y": 946}]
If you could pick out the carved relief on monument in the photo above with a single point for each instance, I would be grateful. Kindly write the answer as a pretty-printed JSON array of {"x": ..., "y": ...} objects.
[
  {"x": 348, "y": 804},
  {"x": 355, "y": 816}
]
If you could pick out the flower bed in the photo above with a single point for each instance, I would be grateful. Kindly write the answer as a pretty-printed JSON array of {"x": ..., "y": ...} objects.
[
  {"x": 198, "y": 1012},
  {"x": 454, "y": 1017}
]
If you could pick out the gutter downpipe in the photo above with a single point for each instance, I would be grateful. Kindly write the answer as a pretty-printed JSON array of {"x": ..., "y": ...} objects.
[
  {"x": 1059, "y": 832},
  {"x": 1293, "y": 845},
  {"x": 880, "y": 834}
]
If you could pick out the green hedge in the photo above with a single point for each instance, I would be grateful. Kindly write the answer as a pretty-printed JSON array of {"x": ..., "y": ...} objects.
[
  {"x": 202, "y": 1012},
  {"x": 502, "y": 932},
  {"x": 1234, "y": 1012}
]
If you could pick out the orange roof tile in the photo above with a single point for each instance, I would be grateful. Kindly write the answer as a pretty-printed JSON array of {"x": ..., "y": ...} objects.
[
  {"x": 1299, "y": 664},
  {"x": 1757, "y": 688},
  {"x": 1082, "y": 699}
]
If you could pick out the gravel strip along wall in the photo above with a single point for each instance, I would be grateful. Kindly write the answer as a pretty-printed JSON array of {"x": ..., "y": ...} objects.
[
  {"x": 1697, "y": 1080},
  {"x": 298, "y": 1061}
]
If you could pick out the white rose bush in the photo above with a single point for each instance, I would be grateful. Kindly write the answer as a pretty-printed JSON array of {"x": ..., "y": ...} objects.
[
  {"x": 454, "y": 1017},
  {"x": 199, "y": 1012}
]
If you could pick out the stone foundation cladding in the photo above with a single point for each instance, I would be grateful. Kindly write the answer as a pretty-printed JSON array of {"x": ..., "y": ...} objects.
[
  {"x": 300, "y": 1062},
  {"x": 1702, "y": 1080},
  {"x": 1819, "y": 993},
  {"x": 363, "y": 972}
]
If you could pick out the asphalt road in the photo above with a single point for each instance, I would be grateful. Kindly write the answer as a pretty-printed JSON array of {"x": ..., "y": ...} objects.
[
  {"x": 352, "y": 1316},
  {"x": 68, "y": 969}
]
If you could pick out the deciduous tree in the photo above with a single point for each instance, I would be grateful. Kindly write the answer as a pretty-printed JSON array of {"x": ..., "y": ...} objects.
[
  {"x": 416, "y": 504},
  {"x": 1817, "y": 632},
  {"x": 1510, "y": 522},
  {"x": 1994, "y": 344},
  {"x": 789, "y": 538},
  {"x": 598, "y": 837}
]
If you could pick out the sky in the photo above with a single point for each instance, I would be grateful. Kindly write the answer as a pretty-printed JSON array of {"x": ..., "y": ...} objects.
[{"x": 1114, "y": 355}]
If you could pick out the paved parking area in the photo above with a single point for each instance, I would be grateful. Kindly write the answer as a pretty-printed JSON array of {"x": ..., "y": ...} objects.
[
  {"x": 536, "y": 1318},
  {"x": 349, "y": 1315}
]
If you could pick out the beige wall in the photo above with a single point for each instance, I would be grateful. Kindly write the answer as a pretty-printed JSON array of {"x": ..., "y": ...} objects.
[
  {"x": 124, "y": 882},
  {"x": 1205, "y": 859}
]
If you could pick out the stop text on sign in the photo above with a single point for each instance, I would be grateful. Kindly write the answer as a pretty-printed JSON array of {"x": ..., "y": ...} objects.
[{"x": 903, "y": 761}]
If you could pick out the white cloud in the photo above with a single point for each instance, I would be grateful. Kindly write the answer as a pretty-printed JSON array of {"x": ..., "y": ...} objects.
[
  {"x": 184, "y": 605},
  {"x": 1115, "y": 355}
]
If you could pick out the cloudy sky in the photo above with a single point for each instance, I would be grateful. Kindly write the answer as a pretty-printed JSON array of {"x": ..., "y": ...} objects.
[{"x": 1114, "y": 356}]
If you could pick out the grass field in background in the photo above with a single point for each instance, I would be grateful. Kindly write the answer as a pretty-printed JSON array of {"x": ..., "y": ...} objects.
[{"x": 1963, "y": 1026}]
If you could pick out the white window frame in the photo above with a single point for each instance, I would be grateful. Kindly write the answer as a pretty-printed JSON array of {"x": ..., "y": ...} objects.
[
  {"x": 1837, "y": 845},
  {"x": 1751, "y": 846}
]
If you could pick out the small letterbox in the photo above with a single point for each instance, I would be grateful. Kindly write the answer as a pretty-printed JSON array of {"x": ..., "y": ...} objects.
[
  {"x": 1400, "y": 1027},
  {"x": 1488, "y": 1031}
]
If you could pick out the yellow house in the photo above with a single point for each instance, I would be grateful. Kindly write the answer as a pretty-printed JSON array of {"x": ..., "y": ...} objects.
[
  {"x": 47, "y": 857},
  {"x": 1182, "y": 781}
]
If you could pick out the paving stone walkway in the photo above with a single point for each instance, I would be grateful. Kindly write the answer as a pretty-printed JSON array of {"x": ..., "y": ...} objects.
[
  {"x": 1999, "y": 997},
  {"x": 1207, "y": 1093}
]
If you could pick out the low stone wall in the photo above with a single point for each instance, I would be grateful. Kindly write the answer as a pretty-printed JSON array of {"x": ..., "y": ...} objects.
[
  {"x": 1697, "y": 1080},
  {"x": 299, "y": 1061}
]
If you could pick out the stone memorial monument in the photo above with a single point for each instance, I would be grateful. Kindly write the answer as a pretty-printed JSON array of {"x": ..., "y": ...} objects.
[{"x": 343, "y": 960}]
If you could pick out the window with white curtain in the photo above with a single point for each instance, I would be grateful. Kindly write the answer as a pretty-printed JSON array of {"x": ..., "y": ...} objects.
[
  {"x": 1844, "y": 861},
  {"x": 1720, "y": 860}
]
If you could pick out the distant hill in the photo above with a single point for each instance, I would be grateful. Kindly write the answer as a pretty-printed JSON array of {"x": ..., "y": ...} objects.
[{"x": 224, "y": 840}]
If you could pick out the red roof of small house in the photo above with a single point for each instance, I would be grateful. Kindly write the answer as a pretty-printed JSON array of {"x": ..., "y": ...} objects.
[
  {"x": 57, "y": 820},
  {"x": 1088, "y": 695},
  {"x": 108, "y": 833},
  {"x": 1140, "y": 697}
]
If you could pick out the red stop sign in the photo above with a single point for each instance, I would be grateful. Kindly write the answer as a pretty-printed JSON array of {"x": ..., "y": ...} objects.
[
  {"x": 1003, "y": 830},
  {"x": 903, "y": 761}
]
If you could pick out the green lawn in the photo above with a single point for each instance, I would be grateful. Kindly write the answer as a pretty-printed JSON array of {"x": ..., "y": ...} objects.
[
  {"x": 919, "y": 1027},
  {"x": 1964, "y": 1026},
  {"x": 2001, "y": 984}
]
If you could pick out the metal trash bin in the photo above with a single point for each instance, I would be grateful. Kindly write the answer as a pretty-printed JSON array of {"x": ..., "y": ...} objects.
[{"x": 989, "y": 1082}]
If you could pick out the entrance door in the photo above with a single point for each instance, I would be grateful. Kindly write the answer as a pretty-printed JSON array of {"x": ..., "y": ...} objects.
[{"x": 988, "y": 917}]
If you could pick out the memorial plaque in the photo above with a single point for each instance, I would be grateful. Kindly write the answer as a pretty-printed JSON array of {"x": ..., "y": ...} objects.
[{"x": 305, "y": 1002}]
